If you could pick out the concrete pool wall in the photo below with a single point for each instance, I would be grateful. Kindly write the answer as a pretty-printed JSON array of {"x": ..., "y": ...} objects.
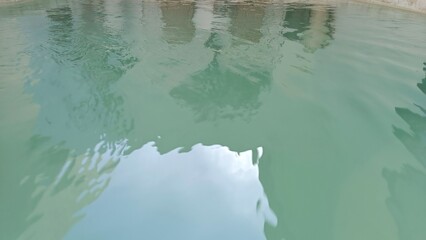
[{"x": 416, "y": 5}]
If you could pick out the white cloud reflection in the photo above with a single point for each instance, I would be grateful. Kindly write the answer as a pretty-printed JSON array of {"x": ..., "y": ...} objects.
[{"x": 209, "y": 192}]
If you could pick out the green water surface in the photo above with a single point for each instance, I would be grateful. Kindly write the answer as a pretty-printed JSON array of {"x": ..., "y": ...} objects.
[{"x": 199, "y": 120}]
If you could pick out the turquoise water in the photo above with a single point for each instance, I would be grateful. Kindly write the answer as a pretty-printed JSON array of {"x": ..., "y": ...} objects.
[{"x": 130, "y": 119}]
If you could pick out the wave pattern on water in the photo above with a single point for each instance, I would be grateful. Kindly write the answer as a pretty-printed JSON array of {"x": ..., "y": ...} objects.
[{"x": 211, "y": 120}]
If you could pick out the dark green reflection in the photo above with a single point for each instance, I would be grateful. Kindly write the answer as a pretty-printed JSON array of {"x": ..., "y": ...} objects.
[
  {"x": 218, "y": 92},
  {"x": 230, "y": 85},
  {"x": 90, "y": 57},
  {"x": 407, "y": 187}
]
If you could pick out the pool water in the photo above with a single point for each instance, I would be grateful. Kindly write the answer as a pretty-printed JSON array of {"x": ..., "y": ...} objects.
[{"x": 125, "y": 119}]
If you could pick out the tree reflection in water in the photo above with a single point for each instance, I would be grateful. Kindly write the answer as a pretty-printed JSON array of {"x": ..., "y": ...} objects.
[
  {"x": 240, "y": 69},
  {"x": 67, "y": 158},
  {"x": 407, "y": 187}
]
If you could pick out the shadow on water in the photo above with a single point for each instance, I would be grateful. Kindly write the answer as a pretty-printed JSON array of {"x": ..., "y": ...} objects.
[{"x": 407, "y": 187}]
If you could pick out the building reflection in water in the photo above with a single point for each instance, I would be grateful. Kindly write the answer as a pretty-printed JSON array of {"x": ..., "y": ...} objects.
[
  {"x": 407, "y": 187},
  {"x": 247, "y": 21},
  {"x": 177, "y": 18},
  {"x": 311, "y": 25}
]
